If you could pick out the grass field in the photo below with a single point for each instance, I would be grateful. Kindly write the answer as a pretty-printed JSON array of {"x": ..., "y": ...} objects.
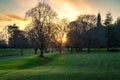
[
  {"x": 77, "y": 66},
  {"x": 14, "y": 52}
]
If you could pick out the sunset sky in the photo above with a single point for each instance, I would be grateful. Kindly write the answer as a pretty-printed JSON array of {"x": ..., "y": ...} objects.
[{"x": 13, "y": 11}]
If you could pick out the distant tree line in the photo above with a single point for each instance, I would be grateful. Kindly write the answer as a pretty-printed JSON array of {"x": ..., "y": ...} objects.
[
  {"x": 46, "y": 31},
  {"x": 88, "y": 31}
]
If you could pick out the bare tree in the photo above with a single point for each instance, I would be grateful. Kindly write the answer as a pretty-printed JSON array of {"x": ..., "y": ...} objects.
[
  {"x": 61, "y": 32},
  {"x": 42, "y": 17},
  {"x": 30, "y": 37}
]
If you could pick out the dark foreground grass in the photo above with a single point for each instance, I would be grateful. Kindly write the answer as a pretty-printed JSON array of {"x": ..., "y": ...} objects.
[{"x": 93, "y": 66}]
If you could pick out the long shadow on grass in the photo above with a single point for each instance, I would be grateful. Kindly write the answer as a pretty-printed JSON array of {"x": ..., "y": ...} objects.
[{"x": 37, "y": 62}]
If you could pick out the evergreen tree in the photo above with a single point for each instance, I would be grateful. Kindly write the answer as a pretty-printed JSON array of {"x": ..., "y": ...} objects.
[{"x": 99, "y": 20}]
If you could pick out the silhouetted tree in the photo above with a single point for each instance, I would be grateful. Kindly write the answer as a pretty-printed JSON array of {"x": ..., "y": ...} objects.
[
  {"x": 74, "y": 35},
  {"x": 99, "y": 20},
  {"x": 3, "y": 44},
  {"x": 98, "y": 34},
  {"x": 108, "y": 22},
  {"x": 116, "y": 33},
  {"x": 17, "y": 38},
  {"x": 22, "y": 41},
  {"x": 13, "y": 35},
  {"x": 79, "y": 36},
  {"x": 42, "y": 16},
  {"x": 31, "y": 38},
  {"x": 61, "y": 32}
]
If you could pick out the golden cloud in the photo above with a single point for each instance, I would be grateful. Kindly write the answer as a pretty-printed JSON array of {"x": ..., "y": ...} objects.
[
  {"x": 10, "y": 17},
  {"x": 15, "y": 17},
  {"x": 4, "y": 18},
  {"x": 78, "y": 6}
]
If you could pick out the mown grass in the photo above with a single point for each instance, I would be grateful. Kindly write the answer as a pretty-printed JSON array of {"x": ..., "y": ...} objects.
[{"x": 76, "y": 66}]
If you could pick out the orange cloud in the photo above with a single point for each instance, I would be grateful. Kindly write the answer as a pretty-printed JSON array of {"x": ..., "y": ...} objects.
[
  {"x": 15, "y": 17},
  {"x": 4, "y": 18},
  {"x": 10, "y": 17}
]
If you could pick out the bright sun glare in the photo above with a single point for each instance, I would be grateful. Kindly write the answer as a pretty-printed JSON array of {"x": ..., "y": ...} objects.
[
  {"x": 22, "y": 24},
  {"x": 64, "y": 39}
]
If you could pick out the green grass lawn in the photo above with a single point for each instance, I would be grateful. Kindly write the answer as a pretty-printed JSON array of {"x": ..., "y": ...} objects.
[
  {"x": 14, "y": 52},
  {"x": 77, "y": 66}
]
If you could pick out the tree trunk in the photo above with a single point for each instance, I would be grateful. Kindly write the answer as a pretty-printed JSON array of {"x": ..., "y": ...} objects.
[
  {"x": 108, "y": 41},
  {"x": 108, "y": 44},
  {"x": 108, "y": 48},
  {"x": 35, "y": 49},
  {"x": 68, "y": 49},
  {"x": 89, "y": 46},
  {"x": 88, "y": 49},
  {"x": 71, "y": 49},
  {"x": 41, "y": 52},
  {"x": 60, "y": 48}
]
